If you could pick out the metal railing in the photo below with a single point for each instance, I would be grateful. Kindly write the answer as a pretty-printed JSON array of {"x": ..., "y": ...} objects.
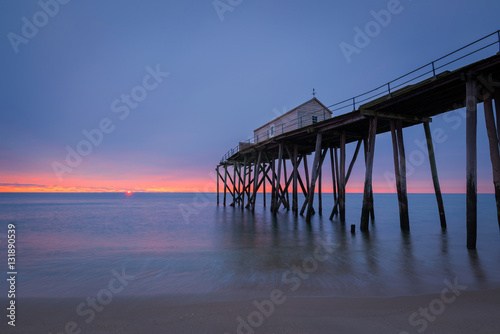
[{"x": 429, "y": 70}]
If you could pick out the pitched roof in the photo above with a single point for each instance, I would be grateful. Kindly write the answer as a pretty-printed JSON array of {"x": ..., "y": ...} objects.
[{"x": 294, "y": 109}]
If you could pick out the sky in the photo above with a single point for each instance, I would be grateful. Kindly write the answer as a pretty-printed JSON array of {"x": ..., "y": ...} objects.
[{"x": 153, "y": 93}]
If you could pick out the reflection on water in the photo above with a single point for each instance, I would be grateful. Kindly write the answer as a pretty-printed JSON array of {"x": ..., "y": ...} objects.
[{"x": 69, "y": 243}]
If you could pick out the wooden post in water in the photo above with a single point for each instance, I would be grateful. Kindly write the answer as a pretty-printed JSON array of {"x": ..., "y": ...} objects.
[
  {"x": 264, "y": 184},
  {"x": 471, "y": 169},
  {"x": 278, "y": 179},
  {"x": 402, "y": 173},
  {"x": 396, "y": 143},
  {"x": 349, "y": 170},
  {"x": 234, "y": 184},
  {"x": 497, "y": 113},
  {"x": 250, "y": 180},
  {"x": 241, "y": 185},
  {"x": 497, "y": 110},
  {"x": 494, "y": 152},
  {"x": 286, "y": 187},
  {"x": 435, "y": 178},
  {"x": 295, "y": 205},
  {"x": 244, "y": 183},
  {"x": 306, "y": 173},
  {"x": 256, "y": 180},
  {"x": 320, "y": 199},
  {"x": 314, "y": 176},
  {"x": 367, "y": 204},
  {"x": 334, "y": 183},
  {"x": 273, "y": 183},
  {"x": 372, "y": 211},
  {"x": 225, "y": 183},
  {"x": 337, "y": 172},
  {"x": 342, "y": 177}
]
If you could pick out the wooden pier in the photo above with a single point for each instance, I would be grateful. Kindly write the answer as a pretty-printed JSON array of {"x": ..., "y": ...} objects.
[{"x": 265, "y": 161}]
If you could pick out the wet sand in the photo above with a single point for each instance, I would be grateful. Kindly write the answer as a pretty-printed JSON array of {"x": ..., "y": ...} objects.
[{"x": 459, "y": 312}]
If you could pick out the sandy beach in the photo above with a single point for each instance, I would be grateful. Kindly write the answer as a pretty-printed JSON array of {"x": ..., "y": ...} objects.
[{"x": 465, "y": 312}]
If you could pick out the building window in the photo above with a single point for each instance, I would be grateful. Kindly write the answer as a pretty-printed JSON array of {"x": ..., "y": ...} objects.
[
  {"x": 271, "y": 131},
  {"x": 315, "y": 119}
]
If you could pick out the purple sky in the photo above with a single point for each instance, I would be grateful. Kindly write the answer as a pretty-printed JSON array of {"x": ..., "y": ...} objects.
[{"x": 225, "y": 78}]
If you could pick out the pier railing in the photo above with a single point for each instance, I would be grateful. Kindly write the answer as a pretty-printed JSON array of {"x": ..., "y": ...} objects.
[{"x": 453, "y": 60}]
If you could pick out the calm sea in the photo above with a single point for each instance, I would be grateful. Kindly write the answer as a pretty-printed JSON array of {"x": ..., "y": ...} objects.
[{"x": 69, "y": 245}]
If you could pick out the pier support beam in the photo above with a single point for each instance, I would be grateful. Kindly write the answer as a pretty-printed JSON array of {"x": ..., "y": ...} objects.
[
  {"x": 307, "y": 187},
  {"x": 244, "y": 184},
  {"x": 320, "y": 199},
  {"x": 233, "y": 181},
  {"x": 256, "y": 181},
  {"x": 366, "y": 149},
  {"x": 255, "y": 169},
  {"x": 295, "y": 202},
  {"x": 349, "y": 170},
  {"x": 277, "y": 196},
  {"x": 367, "y": 203},
  {"x": 264, "y": 185},
  {"x": 435, "y": 178},
  {"x": 315, "y": 169},
  {"x": 342, "y": 177},
  {"x": 471, "y": 169},
  {"x": 225, "y": 184},
  {"x": 334, "y": 182},
  {"x": 400, "y": 172},
  {"x": 494, "y": 151},
  {"x": 286, "y": 198},
  {"x": 273, "y": 182}
]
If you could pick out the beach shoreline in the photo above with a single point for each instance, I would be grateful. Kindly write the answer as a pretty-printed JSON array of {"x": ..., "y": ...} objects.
[{"x": 474, "y": 311}]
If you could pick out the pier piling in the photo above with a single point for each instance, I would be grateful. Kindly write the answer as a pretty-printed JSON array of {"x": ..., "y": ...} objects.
[
  {"x": 435, "y": 178},
  {"x": 471, "y": 168}
]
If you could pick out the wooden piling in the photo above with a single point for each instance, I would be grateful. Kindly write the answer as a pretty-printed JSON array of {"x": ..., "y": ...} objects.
[
  {"x": 233, "y": 181},
  {"x": 320, "y": 199},
  {"x": 372, "y": 211},
  {"x": 471, "y": 168},
  {"x": 244, "y": 183},
  {"x": 255, "y": 170},
  {"x": 342, "y": 176},
  {"x": 349, "y": 170},
  {"x": 402, "y": 173},
  {"x": 435, "y": 178},
  {"x": 396, "y": 142},
  {"x": 256, "y": 180},
  {"x": 264, "y": 186},
  {"x": 225, "y": 183},
  {"x": 334, "y": 181},
  {"x": 287, "y": 201},
  {"x": 273, "y": 182},
  {"x": 306, "y": 174},
  {"x": 315, "y": 168},
  {"x": 239, "y": 191},
  {"x": 365, "y": 212},
  {"x": 295, "y": 204},
  {"x": 278, "y": 178},
  {"x": 497, "y": 110},
  {"x": 337, "y": 172},
  {"x": 494, "y": 151}
]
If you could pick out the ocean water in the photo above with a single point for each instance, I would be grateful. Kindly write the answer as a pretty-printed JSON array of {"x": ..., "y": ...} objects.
[{"x": 72, "y": 245}]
